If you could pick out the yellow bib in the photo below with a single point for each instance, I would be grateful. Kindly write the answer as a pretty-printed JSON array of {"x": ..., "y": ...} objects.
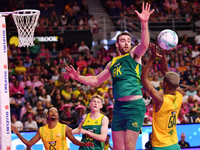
[
  {"x": 54, "y": 139},
  {"x": 164, "y": 121}
]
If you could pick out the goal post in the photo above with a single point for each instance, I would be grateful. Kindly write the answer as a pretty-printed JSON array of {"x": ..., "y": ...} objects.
[{"x": 5, "y": 119}]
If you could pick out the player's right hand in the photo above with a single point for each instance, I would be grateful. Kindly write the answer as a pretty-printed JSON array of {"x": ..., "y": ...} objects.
[
  {"x": 14, "y": 129},
  {"x": 88, "y": 144},
  {"x": 72, "y": 72}
]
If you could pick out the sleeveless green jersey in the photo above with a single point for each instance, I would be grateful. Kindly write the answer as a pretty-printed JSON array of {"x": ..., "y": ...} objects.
[
  {"x": 125, "y": 72},
  {"x": 92, "y": 125}
]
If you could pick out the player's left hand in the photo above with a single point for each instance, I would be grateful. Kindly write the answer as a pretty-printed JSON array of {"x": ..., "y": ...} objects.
[
  {"x": 88, "y": 144},
  {"x": 146, "y": 12}
]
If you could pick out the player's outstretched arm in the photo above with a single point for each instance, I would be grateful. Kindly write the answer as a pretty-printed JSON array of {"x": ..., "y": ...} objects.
[
  {"x": 74, "y": 140},
  {"x": 34, "y": 140},
  {"x": 144, "y": 18},
  {"x": 78, "y": 129},
  {"x": 89, "y": 80},
  {"x": 104, "y": 131},
  {"x": 156, "y": 95}
]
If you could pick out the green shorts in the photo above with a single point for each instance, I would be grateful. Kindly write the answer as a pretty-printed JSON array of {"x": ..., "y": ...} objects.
[
  {"x": 171, "y": 147},
  {"x": 128, "y": 115}
]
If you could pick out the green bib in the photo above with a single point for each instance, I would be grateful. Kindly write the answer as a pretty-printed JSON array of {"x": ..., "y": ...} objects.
[
  {"x": 125, "y": 72},
  {"x": 92, "y": 125}
]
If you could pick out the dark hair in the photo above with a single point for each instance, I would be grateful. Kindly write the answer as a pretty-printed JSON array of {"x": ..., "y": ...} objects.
[{"x": 123, "y": 33}]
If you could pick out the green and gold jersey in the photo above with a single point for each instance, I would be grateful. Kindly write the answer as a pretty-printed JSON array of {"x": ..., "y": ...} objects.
[
  {"x": 125, "y": 72},
  {"x": 92, "y": 125}
]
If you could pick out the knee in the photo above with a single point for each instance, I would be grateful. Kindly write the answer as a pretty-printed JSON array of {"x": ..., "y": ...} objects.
[{"x": 130, "y": 145}]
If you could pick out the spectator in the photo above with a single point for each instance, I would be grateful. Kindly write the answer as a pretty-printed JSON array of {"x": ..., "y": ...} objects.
[
  {"x": 54, "y": 16},
  {"x": 34, "y": 50},
  {"x": 197, "y": 38},
  {"x": 182, "y": 142},
  {"x": 146, "y": 121},
  {"x": 68, "y": 117},
  {"x": 109, "y": 114},
  {"x": 32, "y": 71},
  {"x": 93, "y": 24},
  {"x": 76, "y": 8},
  {"x": 33, "y": 99},
  {"x": 195, "y": 52},
  {"x": 56, "y": 75},
  {"x": 44, "y": 97},
  {"x": 16, "y": 88},
  {"x": 191, "y": 91},
  {"x": 197, "y": 96},
  {"x": 30, "y": 125},
  {"x": 81, "y": 63},
  {"x": 41, "y": 117},
  {"x": 44, "y": 52},
  {"x": 148, "y": 145},
  {"x": 182, "y": 118},
  {"x": 83, "y": 47},
  {"x": 80, "y": 111},
  {"x": 27, "y": 62},
  {"x": 155, "y": 82},
  {"x": 195, "y": 110},
  {"x": 61, "y": 44},
  {"x": 107, "y": 144},
  {"x": 36, "y": 82},
  {"x": 25, "y": 82},
  {"x": 16, "y": 122},
  {"x": 66, "y": 93},
  {"x": 84, "y": 7},
  {"x": 20, "y": 69}
]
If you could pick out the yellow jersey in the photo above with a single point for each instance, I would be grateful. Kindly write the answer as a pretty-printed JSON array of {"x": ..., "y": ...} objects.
[
  {"x": 164, "y": 121},
  {"x": 106, "y": 146},
  {"x": 54, "y": 139}
]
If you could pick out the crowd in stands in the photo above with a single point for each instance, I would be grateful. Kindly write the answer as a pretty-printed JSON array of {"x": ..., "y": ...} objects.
[
  {"x": 56, "y": 15},
  {"x": 166, "y": 10}
]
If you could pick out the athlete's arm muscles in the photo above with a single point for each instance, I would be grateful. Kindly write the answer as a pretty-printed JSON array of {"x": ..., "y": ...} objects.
[
  {"x": 34, "y": 140},
  {"x": 90, "y": 80},
  {"x": 165, "y": 69},
  {"x": 156, "y": 95},
  {"x": 104, "y": 131},
  {"x": 78, "y": 129},
  {"x": 164, "y": 66},
  {"x": 69, "y": 134}
]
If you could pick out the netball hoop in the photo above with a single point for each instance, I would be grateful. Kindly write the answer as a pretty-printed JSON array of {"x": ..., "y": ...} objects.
[{"x": 25, "y": 21}]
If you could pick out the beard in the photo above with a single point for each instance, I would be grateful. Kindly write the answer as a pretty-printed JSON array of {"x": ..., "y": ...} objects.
[{"x": 123, "y": 51}]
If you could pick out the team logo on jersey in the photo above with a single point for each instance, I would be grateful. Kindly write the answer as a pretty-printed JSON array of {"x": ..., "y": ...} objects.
[
  {"x": 117, "y": 71},
  {"x": 96, "y": 122},
  {"x": 135, "y": 124},
  {"x": 58, "y": 135}
]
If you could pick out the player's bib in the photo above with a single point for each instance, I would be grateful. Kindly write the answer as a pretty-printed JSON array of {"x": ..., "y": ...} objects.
[{"x": 53, "y": 145}]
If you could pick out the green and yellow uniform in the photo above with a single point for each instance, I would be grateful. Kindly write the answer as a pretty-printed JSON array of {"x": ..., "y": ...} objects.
[
  {"x": 92, "y": 125},
  {"x": 54, "y": 139},
  {"x": 126, "y": 72},
  {"x": 164, "y": 123}
]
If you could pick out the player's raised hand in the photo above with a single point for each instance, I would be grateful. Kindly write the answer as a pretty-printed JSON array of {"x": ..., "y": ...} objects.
[
  {"x": 14, "y": 129},
  {"x": 72, "y": 72},
  {"x": 146, "y": 12},
  {"x": 88, "y": 144},
  {"x": 154, "y": 50}
]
